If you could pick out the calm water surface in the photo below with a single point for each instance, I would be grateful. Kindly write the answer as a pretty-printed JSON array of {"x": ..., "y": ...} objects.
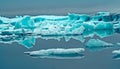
[{"x": 12, "y": 55}]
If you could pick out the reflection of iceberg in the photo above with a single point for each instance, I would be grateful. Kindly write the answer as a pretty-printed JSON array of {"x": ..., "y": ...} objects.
[
  {"x": 21, "y": 28},
  {"x": 118, "y": 43},
  {"x": 96, "y": 44},
  {"x": 58, "y": 53},
  {"x": 117, "y": 54},
  {"x": 28, "y": 42}
]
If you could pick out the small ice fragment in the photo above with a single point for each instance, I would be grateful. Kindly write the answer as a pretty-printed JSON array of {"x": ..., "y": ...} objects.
[
  {"x": 58, "y": 53},
  {"x": 28, "y": 42}
]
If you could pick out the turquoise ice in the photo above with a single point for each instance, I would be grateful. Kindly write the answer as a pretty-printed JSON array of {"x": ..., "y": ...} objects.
[
  {"x": 97, "y": 44},
  {"x": 25, "y": 29}
]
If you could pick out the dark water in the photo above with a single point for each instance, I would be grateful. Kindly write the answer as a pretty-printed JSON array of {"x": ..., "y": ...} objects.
[{"x": 12, "y": 55}]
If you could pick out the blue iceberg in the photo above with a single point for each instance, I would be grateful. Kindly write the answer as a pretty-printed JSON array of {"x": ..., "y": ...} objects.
[{"x": 24, "y": 29}]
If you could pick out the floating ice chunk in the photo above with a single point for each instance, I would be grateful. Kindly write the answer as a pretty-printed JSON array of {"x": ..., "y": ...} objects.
[
  {"x": 58, "y": 53},
  {"x": 28, "y": 42},
  {"x": 117, "y": 54},
  {"x": 96, "y": 44},
  {"x": 56, "y": 27}
]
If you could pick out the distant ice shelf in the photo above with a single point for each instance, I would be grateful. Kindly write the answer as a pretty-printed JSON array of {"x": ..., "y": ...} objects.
[{"x": 25, "y": 29}]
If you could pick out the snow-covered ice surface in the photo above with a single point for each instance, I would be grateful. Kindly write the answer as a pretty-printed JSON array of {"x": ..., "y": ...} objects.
[
  {"x": 25, "y": 29},
  {"x": 58, "y": 53}
]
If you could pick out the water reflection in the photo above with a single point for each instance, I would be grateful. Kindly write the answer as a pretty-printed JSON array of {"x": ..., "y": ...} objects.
[
  {"x": 26, "y": 29},
  {"x": 97, "y": 45},
  {"x": 28, "y": 40}
]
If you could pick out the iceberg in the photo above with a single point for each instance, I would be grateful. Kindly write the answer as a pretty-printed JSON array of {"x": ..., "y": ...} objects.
[
  {"x": 58, "y": 53},
  {"x": 59, "y": 25},
  {"x": 97, "y": 45},
  {"x": 76, "y": 26}
]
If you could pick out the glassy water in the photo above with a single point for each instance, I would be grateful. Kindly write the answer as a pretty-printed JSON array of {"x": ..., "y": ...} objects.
[
  {"x": 13, "y": 56},
  {"x": 97, "y": 55}
]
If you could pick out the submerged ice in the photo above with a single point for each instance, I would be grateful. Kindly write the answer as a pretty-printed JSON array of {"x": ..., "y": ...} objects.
[
  {"x": 58, "y": 53},
  {"x": 25, "y": 29}
]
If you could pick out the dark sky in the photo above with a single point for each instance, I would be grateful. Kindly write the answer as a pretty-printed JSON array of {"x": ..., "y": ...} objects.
[{"x": 58, "y": 7}]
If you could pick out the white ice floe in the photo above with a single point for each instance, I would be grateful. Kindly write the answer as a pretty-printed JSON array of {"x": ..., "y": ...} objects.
[{"x": 58, "y": 53}]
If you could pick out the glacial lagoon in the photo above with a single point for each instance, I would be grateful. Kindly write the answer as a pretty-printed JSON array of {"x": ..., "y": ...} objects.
[{"x": 72, "y": 40}]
